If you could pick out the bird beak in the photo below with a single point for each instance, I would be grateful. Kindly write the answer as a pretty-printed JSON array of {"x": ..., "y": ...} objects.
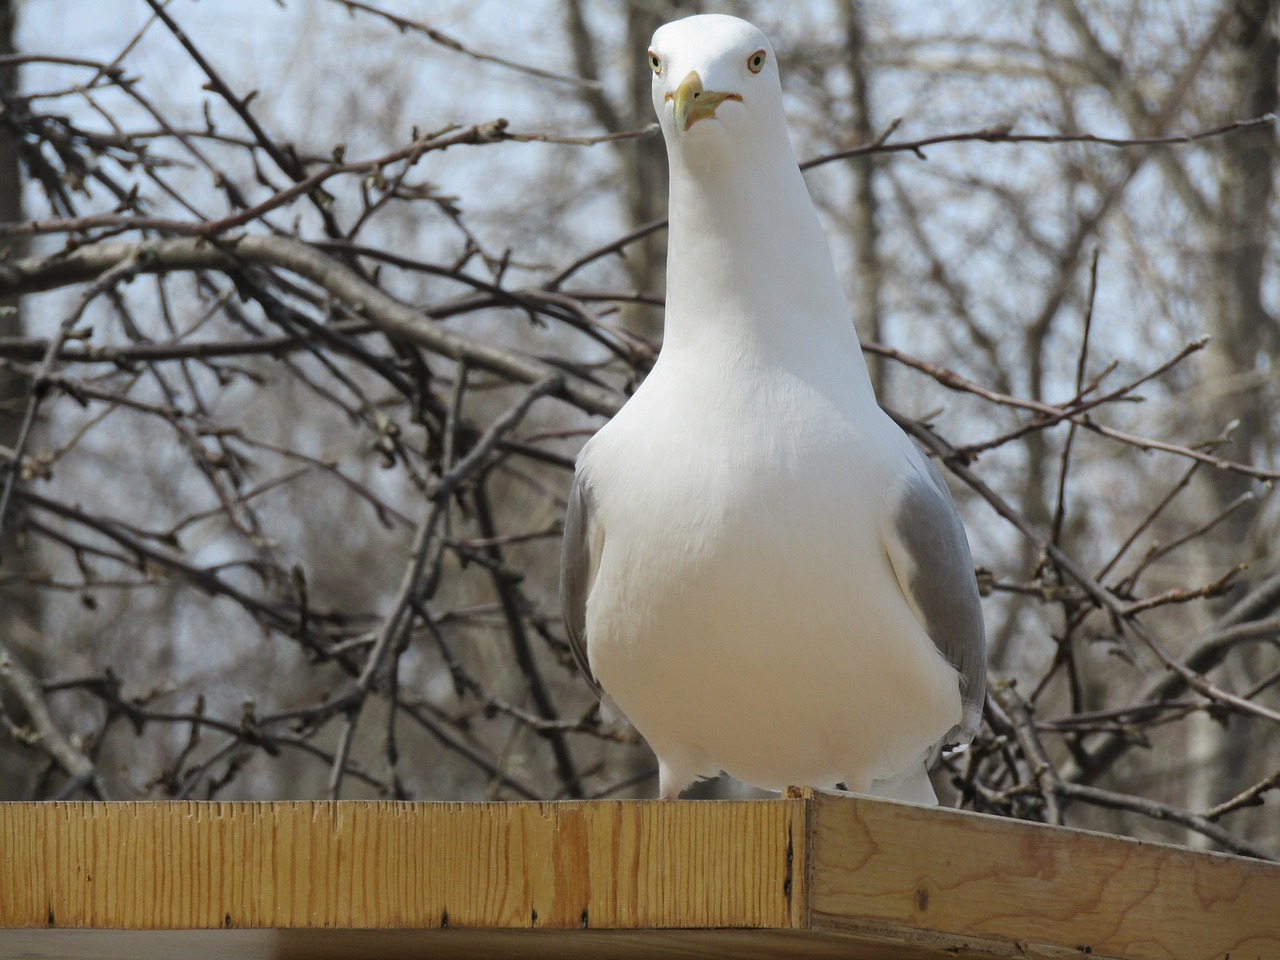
[{"x": 692, "y": 103}]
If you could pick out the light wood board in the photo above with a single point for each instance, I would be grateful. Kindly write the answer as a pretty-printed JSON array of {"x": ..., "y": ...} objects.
[{"x": 804, "y": 876}]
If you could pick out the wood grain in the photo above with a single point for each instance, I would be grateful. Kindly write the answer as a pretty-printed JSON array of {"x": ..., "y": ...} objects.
[
  {"x": 617, "y": 865},
  {"x": 817, "y": 876},
  {"x": 963, "y": 880}
]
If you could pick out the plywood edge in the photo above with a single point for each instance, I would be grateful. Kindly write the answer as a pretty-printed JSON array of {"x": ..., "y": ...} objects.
[
  {"x": 730, "y": 944},
  {"x": 995, "y": 887},
  {"x": 613, "y": 865}
]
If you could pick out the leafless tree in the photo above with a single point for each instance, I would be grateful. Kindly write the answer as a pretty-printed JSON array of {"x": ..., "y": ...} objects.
[{"x": 295, "y": 430}]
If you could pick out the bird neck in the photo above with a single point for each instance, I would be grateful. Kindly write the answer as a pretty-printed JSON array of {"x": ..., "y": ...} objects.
[{"x": 748, "y": 265}]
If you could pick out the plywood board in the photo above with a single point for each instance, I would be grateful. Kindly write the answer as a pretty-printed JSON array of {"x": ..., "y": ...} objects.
[
  {"x": 965, "y": 880},
  {"x": 805, "y": 876},
  {"x": 614, "y": 865}
]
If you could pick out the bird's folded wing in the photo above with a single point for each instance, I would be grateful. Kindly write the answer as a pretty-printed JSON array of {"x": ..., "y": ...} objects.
[
  {"x": 577, "y": 571},
  {"x": 929, "y": 553}
]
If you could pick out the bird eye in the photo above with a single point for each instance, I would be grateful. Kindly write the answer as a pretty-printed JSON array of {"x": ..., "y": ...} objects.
[
  {"x": 755, "y": 62},
  {"x": 655, "y": 61}
]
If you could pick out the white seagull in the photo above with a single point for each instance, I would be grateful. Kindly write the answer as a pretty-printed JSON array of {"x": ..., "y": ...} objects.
[{"x": 759, "y": 567}]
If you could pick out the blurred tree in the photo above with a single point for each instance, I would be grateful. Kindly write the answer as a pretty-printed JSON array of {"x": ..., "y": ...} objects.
[
  {"x": 1238, "y": 236},
  {"x": 864, "y": 228},
  {"x": 314, "y": 385},
  {"x": 642, "y": 162},
  {"x": 16, "y": 600}
]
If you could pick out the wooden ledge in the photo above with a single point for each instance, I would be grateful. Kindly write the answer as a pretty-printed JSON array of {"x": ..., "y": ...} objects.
[{"x": 807, "y": 876}]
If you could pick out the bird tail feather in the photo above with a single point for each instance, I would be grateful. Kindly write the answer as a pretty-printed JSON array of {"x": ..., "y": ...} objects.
[{"x": 913, "y": 786}]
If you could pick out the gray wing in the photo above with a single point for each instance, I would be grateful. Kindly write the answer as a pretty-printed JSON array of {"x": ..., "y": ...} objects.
[
  {"x": 577, "y": 571},
  {"x": 929, "y": 552}
]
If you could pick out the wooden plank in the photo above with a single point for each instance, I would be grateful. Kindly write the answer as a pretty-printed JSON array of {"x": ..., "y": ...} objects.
[
  {"x": 806, "y": 876},
  {"x": 944, "y": 879},
  {"x": 616, "y": 865}
]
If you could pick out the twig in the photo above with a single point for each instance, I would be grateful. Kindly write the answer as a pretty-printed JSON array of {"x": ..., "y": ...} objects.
[
  {"x": 178, "y": 254},
  {"x": 1019, "y": 714},
  {"x": 1082, "y": 359},
  {"x": 399, "y": 620},
  {"x": 1159, "y": 551},
  {"x": 645, "y": 131},
  {"x": 1052, "y": 785},
  {"x": 444, "y": 40},
  {"x": 1156, "y": 810},
  {"x": 478, "y": 134},
  {"x": 1102, "y": 597},
  {"x": 126, "y": 267},
  {"x": 566, "y": 768},
  {"x": 1251, "y": 797},
  {"x": 1186, "y": 594},
  {"x": 1152, "y": 515},
  {"x": 1006, "y": 135},
  {"x": 26, "y": 688}
]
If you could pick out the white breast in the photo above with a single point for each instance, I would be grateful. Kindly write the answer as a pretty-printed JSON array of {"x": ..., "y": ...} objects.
[{"x": 744, "y": 615}]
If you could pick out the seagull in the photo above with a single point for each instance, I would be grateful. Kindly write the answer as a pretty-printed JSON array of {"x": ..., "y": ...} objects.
[{"x": 760, "y": 570}]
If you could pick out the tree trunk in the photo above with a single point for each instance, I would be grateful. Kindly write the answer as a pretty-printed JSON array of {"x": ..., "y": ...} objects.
[
  {"x": 643, "y": 159},
  {"x": 865, "y": 224},
  {"x": 1243, "y": 349},
  {"x": 1244, "y": 333},
  {"x": 16, "y": 600}
]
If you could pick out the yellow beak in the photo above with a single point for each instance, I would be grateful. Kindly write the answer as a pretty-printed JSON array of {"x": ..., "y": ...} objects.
[{"x": 692, "y": 103}]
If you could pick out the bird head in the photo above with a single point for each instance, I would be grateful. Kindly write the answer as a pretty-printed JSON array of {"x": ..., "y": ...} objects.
[{"x": 714, "y": 82}]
